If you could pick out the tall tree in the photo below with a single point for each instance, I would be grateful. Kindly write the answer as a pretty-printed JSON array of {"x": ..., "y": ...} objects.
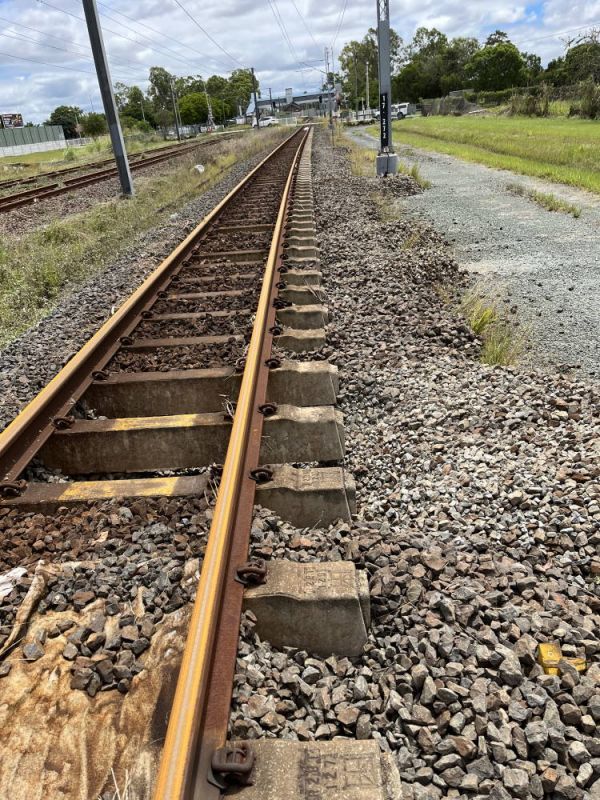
[
  {"x": 94, "y": 124},
  {"x": 496, "y": 67},
  {"x": 428, "y": 59},
  {"x": 498, "y": 37},
  {"x": 190, "y": 85},
  {"x": 582, "y": 62},
  {"x": 68, "y": 117},
  {"x": 353, "y": 60},
  {"x": 193, "y": 108},
  {"x": 159, "y": 91},
  {"x": 239, "y": 90}
]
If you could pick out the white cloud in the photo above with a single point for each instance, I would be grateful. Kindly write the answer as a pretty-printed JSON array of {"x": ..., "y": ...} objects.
[{"x": 245, "y": 28}]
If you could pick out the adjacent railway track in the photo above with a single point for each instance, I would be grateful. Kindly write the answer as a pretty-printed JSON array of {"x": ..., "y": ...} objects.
[
  {"x": 183, "y": 377},
  {"x": 54, "y": 188}
]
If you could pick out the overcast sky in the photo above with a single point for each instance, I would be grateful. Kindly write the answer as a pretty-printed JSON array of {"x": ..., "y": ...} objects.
[{"x": 249, "y": 33}]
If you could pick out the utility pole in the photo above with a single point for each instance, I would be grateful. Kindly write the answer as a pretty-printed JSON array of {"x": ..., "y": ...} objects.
[
  {"x": 210, "y": 122},
  {"x": 329, "y": 93},
  {"x": 256, "y": 111},
  {"x": 108, "y": 98},
  {"x": 368, "y": 90},
  {"x": 355, "y": 81},
  {"x": 387, "y": 160},
  {"x": 175, "y": 111},
  {"x": 271, "y": 100}
]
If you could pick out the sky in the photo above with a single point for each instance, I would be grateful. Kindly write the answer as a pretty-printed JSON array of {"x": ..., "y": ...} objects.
[{"x": 283, "y": 39}]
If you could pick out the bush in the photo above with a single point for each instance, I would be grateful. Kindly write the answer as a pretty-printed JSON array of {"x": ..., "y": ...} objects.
[
  {"x": 589, "y": 105},
  {"x": 531, "y": 105}
]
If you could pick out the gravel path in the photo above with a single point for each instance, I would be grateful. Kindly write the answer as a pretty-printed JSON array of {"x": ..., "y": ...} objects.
[
  {"x": 28, "y": 363},
  {"x": 545, "y": 261},
  {"x": 478, "y": 525}
]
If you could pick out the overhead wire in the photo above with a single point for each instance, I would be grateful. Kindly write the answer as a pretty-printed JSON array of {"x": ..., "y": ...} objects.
[
  {"x": 115, "y": 33},
  {"x": 339, "y": 26},
  {"x": 558, "y": 33},
  {"x": 47, "y": 63},
  {"x": 308, "y": 30},
  {"x": 207, "y": 34},
  {"x": 153, "y": 30},
  {"x": 22, "y": 37}
]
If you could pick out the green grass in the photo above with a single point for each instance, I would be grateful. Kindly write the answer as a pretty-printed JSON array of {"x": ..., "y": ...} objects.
[
  {"x": 503, "y": 341},
  {"x": 557, "y": 149},
  {"x": 415, "y": 174},
  {"x": 38, "y": 267},
  {"x": 548, "y": 201},
  {"x": 30, "y": 164},
  {"x": 362, "y": 163}
]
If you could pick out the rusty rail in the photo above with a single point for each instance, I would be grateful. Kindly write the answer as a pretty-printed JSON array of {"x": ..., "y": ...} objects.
[
  {"x": 18, "y": 199},
  {"x": 195, "y": 732},
  {"x": 25, "y": 436}
]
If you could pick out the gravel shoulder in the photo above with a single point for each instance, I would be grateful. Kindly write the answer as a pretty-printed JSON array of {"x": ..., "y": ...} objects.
[
  {"x": 545, "y": 262},
  {"x": 478, "y": 526}
]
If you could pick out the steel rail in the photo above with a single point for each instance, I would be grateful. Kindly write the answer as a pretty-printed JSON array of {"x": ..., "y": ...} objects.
[
  {"x": 18, "y": 199},
  {"x": 6, "y": 184},
  {"x": 177, "y": 772},
  {"x": 26, "y": 434}
]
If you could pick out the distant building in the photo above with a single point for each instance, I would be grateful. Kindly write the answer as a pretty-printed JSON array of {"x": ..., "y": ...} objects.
[{"x": 313, "y": 104}]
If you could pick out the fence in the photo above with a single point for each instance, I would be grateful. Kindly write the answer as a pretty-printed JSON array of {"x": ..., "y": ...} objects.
[{"x": 16, "y": 141}]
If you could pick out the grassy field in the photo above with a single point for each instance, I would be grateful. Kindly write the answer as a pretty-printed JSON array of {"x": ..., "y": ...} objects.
[
  {"x": 37, "y": 268},
  {"x": 561, "y": 150},
  {"x": 33, "y": 163}
]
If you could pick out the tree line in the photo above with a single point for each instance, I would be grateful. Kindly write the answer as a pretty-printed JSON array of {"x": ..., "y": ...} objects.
[
  {"x": 144, "y": 111},
  {"x": 432, "y": 65}
]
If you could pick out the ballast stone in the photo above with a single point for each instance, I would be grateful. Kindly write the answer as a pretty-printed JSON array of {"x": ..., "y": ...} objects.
[
  {"x": 341, "y": 769},
  {"x": 321, "y": 607}
]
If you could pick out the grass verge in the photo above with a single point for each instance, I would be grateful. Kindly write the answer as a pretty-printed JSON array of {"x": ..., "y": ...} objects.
[
  {"x": 503, "y": 340},
  {"x": 549, "y": 201},
  {"x": 36, "y": 268},
  {"x": 362, "y": 162},
  {"x": 557, "y": 149}
]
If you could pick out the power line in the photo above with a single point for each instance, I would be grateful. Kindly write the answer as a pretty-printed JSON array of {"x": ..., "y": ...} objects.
[
  {"x": 22, "y": 37},
  {"x": 282, "y": 28},
  {"x": 279, "y": 19},
  {"x": 47, "y": 63},
  {"x": 153, "y": 30},
  {"x": 337, "y": 33},
  {"x": 62, "y": 39},
  {"x": 207, "y": 34},
  {"x": 559, "y": 33},
  {"x": 305, "y": 24},
  {"x": 172, "y": 53},
  {"x": 115, "y": 33}
]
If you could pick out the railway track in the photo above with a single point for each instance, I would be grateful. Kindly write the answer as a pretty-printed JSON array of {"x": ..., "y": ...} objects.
[
  {"x": 67, "y": 184},
  {"x": 181, "y": 378}
]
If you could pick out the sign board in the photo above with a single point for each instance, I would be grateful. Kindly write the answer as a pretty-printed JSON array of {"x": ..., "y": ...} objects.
[
  {"x": 384, "y": 118},
  {"x": 12, "y": 120},
  {"x": 289, "y": 96}
]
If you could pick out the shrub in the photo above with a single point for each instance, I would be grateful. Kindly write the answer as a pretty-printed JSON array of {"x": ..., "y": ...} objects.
[{"x": 531, "y": 105}]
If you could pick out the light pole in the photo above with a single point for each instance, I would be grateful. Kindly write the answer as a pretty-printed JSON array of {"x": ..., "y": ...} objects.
[{"x": 387, "y": 160}]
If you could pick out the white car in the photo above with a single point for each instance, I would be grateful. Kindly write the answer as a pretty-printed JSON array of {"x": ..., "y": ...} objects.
[
  {"x": 400, "y": 110},
  {"x": 266, "y": 122}
]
